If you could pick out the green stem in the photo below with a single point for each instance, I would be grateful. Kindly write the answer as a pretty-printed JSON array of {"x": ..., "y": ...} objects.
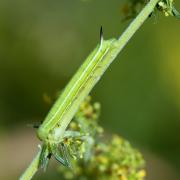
[
  {"x": 124, "y": 38},
  {"x": 136, "y": 24},
  {"x": 32, "y": 169}
]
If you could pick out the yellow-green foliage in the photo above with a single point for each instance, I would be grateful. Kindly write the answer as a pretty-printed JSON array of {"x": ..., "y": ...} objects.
[{"x": 99, "y": 157}]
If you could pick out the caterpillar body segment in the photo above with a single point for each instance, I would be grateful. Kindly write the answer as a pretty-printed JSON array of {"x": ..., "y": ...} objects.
[{"x": 78, "y": 88}]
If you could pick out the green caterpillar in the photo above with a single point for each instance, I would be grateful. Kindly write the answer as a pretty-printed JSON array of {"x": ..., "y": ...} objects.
[
  {"x": 52, "y": 130},
  {"x": 77, "y": 89}
]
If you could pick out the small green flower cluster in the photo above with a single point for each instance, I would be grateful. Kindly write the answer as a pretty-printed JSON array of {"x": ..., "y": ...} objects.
[
  {"x": 98, "y": 157},
  {"x": 132, "y": 7},
  {"x": 167, "y": 7},
  {"x": 79, "y": 138}
]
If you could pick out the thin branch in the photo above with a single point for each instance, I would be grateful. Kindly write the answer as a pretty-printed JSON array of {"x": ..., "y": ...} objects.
[{"x": 32, "y": 169}]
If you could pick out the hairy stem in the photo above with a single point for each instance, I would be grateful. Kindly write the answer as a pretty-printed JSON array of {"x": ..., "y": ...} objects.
[{"x": 122, "y": 41}]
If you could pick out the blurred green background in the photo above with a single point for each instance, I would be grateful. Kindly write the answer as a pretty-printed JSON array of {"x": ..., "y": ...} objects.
[{"x": 43, "y": 42}]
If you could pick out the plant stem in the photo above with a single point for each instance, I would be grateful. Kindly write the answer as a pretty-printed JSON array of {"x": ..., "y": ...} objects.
[
  {"x": 136, "y": 23},
  {"x": 122, "y": 41},
  {"x": 32, "y": 169}
]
